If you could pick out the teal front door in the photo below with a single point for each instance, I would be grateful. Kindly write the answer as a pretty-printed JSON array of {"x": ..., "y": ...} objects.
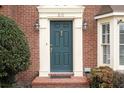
[{"x": 61, "y": 46}]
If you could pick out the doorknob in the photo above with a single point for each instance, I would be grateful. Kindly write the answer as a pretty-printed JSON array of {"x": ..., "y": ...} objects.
[{"x": 51, "y": 49}]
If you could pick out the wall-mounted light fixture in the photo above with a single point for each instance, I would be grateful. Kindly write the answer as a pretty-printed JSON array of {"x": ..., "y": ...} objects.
[
  {"x": 36, "y": 25},
  {"x": 85, "y": 25},
  {"x": 120, "y": 21}
]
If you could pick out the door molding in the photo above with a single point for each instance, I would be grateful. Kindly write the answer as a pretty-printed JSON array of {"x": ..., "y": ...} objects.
[{"x": 48, "y": 13}]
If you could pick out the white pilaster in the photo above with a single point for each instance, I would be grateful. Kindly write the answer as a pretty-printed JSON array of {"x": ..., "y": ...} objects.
[
  {"x": 77, "y": 48},
  {"x": 44, "y": 47}
]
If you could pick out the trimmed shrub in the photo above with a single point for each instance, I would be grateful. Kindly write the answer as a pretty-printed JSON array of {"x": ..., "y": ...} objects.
[
  {"x": 14, "y": 51},
  {"x": 118, "y": 80},
  {"x": 101, "y": 77}
]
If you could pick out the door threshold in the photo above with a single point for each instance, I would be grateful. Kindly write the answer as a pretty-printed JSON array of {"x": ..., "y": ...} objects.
[{"x": 61, "y": 74}]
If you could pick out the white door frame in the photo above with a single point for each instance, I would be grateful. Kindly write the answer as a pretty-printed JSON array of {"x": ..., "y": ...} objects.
[{"x": 48, "y": 13}]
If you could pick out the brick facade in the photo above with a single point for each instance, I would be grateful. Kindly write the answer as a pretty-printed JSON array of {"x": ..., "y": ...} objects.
[
  {"x": 26, "y": 16},
  {"x": 90, "y": 36}
]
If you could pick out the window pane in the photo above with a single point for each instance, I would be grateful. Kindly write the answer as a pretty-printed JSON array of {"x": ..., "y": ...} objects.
[
  {"x": 104, "y": 59},
  {"x": 108, "y": 38},
  {"x": 121, "y": 31},
  {"x": 108, "y": 49},
  {"x": 121, "y": 54},
  {"x": 104, "y": 50},
  {"x": 121, "y": 60},
  {"x": 108, "y": 61},
  {"x": 122, "y": 50},
  {"x": 103, "y": 29},
  {"x": 103, "y": 39},
  {"x": 108, "y": 29},
  {"x": 121, "y": 38},
  {"x": 106, "y": 54},
  {"x": 121, "y": 28},
  {"x": 105, "y": 33}
]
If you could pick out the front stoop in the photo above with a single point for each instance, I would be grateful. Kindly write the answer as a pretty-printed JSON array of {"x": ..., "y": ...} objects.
[{"x": 73, "y": 82}]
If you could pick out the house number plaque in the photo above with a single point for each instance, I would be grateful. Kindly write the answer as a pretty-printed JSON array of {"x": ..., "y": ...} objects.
[{"x": 60, "y": 14}]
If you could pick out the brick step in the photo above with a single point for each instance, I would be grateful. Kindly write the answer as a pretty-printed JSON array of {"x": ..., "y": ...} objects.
[{"x": 73, "y": 82}]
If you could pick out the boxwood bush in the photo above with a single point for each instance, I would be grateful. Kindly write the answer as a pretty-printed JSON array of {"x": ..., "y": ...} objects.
[
  {"x": 105, "y": 77},
  {"x": 101, "y": 77},
  {"x": 14, "y": 51},
  {"x": 118, "y": 79}
]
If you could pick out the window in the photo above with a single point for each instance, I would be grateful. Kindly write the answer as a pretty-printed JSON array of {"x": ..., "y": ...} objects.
[
  {"x": 121, "y": 44},
  {"x": 106, "y": 43}
]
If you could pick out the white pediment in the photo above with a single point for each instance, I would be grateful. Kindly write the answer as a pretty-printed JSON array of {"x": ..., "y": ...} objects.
[
  {"x": 60, "y": 8},
  {"x": 64, "y": 11}
]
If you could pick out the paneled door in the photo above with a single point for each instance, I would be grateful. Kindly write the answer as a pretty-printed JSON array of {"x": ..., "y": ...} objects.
[{"x": 61, "y": 46}]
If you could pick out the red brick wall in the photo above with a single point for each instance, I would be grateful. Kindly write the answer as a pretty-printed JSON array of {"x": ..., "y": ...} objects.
[
  {"x": 25, "y": 16},
  {"x": 90, "y": 37},
  {"x": 6, "y": 10}
]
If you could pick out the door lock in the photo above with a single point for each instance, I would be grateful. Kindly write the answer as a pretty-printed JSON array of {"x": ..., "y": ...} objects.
[
  {"x": 51, "y": 45},
  {"x": 51, "y": 49}
]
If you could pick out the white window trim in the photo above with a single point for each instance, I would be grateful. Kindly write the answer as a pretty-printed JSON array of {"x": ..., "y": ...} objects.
[
  {"x": 114, "y": 42},
  {"x": 47, "y": 13},
  {"x": 100, "y": 44}
]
